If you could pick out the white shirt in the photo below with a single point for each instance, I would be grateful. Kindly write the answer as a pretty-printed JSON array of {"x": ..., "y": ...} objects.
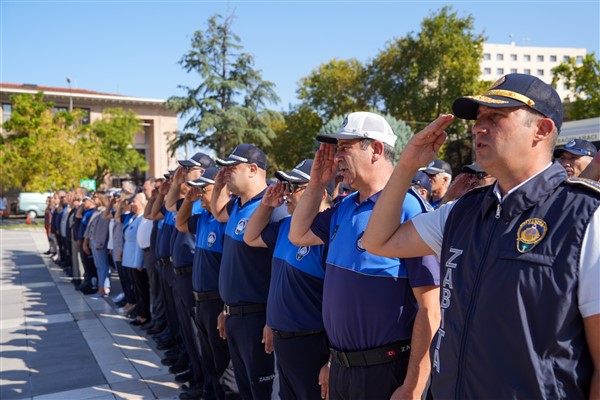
[{"x": 144, "y": 233}]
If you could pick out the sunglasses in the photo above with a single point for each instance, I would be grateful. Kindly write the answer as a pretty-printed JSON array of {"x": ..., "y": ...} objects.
[
  {"x": 480, "y": 175},
  {"x": 293, "y": 187}
]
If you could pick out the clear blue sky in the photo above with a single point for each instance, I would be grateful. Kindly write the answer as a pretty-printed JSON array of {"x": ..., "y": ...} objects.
[{"x": 132, "y": 48}]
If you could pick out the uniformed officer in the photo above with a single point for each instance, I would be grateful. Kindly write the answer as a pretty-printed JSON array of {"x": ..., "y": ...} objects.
[
  {"x": 245, "y": 270},
  {"x": 520, "y": 300},
  {"x": 294, "y": 307},
  {"x": 575, "y": 156},
  {"x": 374, "y": 308}
]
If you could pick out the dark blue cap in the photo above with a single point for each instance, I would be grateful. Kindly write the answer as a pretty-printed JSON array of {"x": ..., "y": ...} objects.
[
  {"x": 422, "y": 180},
  {"x": 579, "y": 147},
  {"x": 300, "y": 173},
  {"x": 207, "y": 178},
  {"x": 514, "y": 90},
  {"x": 198, "y": 160},
  {"x": 245, "y": 153}
]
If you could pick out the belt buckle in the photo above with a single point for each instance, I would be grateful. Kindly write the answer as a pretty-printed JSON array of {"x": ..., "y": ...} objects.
[{"x": 226, "y": 310}]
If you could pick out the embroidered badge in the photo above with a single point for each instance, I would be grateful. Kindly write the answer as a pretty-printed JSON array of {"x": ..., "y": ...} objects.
[
  {"x": 241, "y": 226},
  {"x": 302, "y": 252},
  {"x": 359, "y": 245},
  {"x": 487, "y": 99},
  {"x": 530, "y": 233},
  {"x": 571, "y": 143},
  {"x": 498, "y": 83},
  {"x": 345, "y": 122},
  {"x": 212, "y": 238}
]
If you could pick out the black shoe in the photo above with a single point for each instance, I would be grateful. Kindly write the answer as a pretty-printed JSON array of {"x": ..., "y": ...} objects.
[
  {"x": 147, "y": 325},
  {"x": 191, "y": 394},
  {"x": 137, "y": 322},
  {"x": 48, "y": 252},
  {"x": 184, "y": 376},
  {"x": 157, "y": 329},
  {"x": 171, "y": 354},
  {"x": 179, "y": 367},
  {"x": 169, "y": 361},
  {"x": 165, "y": 345}
]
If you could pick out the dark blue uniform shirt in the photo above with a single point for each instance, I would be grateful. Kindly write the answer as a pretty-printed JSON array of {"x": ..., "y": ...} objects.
[{"x": 209, "y": 250}]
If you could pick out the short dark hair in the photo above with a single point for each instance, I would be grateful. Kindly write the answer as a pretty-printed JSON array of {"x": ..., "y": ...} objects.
[{"x": 389, "y": 153}]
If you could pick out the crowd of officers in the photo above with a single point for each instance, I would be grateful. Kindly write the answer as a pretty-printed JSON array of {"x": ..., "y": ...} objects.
[{"x": 235, "y": 277}]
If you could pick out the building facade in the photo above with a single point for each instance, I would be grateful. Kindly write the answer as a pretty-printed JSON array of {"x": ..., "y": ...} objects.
[
  {"x": 158, "y": 124},
  {"x": 502, "y": 59}
]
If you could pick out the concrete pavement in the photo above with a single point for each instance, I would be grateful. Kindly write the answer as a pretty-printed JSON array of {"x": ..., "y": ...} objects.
[{"x": 56, "y": 343}]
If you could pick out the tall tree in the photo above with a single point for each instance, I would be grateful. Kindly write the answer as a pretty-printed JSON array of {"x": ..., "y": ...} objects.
[
  {"x": 116, "y": 132},
  {"x": 584, "y": 81},
  {"x": 228, "y": 106},
  {"x": 334, "y": 88},
  {"x": 43, "y": 149}
]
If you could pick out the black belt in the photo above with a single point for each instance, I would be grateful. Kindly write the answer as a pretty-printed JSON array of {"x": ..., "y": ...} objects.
[
  {"x": 242, "y": 310},
  {"x": 378, "y": 355},
  {"x": 146, "y": 249},
  {"x": 288, "y": 335},
  {"x": 164, "y": 262},
  {"x": 183, "y": 270},
  {"x": 203, "y": 296}
]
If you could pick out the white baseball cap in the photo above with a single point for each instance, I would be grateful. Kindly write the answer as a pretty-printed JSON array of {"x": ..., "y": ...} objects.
[{"x": 362, "y": 125}]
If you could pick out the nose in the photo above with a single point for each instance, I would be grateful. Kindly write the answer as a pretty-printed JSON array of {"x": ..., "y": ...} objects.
[{"x": 479, "y": 128}]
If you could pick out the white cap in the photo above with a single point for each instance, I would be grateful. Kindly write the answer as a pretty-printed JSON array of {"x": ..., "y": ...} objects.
[{"x": 362, "y": 125}]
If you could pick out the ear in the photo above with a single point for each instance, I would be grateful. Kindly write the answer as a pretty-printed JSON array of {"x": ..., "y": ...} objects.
[
  {"x": 252, "y": 169},
  {"x": 545, "y": 128},
  {"x": 377, "y": 149}
]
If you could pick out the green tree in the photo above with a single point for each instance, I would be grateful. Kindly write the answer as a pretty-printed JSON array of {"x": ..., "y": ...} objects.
[
  {"x": 417, "y": 77},
  {"x": 399, "y": 127},
  {"x": 295, "y": 138},
  {"x": 116, "y": 132},
  {"x": 584, "y": 81},
  {"x": 43, "y": 149},
  {"x": 334, "y": 88},
  {"x": 228, "y": 106}
]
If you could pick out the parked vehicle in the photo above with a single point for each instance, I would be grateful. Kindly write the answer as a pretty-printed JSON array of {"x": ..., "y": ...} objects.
[{"x": 32, "y": 204}]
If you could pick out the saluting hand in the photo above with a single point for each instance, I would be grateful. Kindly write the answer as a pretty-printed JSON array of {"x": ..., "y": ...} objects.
[
  {"x": 164, "y": 188},
  {"x": 220, "y": 179},
  {"x": 193, "y": 194},
  {"x": 423, "y": 147},
  {"x": 325, "y": 166},
  {"x": 274, "y": 195}
]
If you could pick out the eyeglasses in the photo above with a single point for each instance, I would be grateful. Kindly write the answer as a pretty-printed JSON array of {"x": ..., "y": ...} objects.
[
  {"x": 189, "y": 169},
  {"x": 293, "y": 187},
  {"x": 480, "y": 175}
]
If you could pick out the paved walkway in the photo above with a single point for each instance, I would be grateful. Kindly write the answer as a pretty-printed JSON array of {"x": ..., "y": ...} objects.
[{"x": 56, "y": 343}]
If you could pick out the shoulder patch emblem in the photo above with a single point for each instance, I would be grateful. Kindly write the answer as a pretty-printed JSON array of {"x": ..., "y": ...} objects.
[
  {"x": 530, "y": 233},
  {"x": 594, "y": 186},
  {"x": 241, "y": 225},
  {"x": 302, "y": 252}
]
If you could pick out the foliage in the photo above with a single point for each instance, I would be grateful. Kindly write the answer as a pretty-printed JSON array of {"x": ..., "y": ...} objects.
[
  {"x": 584, "y": 81},
  {"x": 399, "y": 127},
  {"x": 295, "y": 138},
  {"x": 228, "y": 106},
  {"x": 45, "y": 150},
  {"x": 334, "y": 88},
  {"x": 116, "y": 132}
]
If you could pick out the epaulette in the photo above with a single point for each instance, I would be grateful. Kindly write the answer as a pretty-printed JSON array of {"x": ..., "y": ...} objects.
[{"x": 589, "y": 184}]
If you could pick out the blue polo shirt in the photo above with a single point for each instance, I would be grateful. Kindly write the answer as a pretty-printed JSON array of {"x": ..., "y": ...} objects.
[
  {"x": 296, "y": 289},
  {"x": 85, "y": 220},
  {"x": 245, "y": 271},
  {"x": 367, "y": 299},
  {"x": 209, "y": 251},
  {"x": 164, "y": 241},
  {"x": 183, "y": 243}
]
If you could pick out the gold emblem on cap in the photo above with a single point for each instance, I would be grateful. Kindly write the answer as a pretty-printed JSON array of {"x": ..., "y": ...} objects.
[
  {"x": 511, "y": 95},
  {"x": 486, "y": 99},
  {"x": 530, "y": 233},
  {"x": 498, "y": 83}
]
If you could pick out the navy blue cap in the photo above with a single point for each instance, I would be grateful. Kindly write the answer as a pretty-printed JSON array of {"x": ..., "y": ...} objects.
[
  {"x": 245, "y": 153},
  {"x": 578, "y": 147},
  {"x": 472, "y": 169},
  {"x": 300, "y": 173},
  {"x": 207, "y": 178},
  {"x": 514, "y": 90},
  {"x": 437, "y": 166},
  {"x": 198, "y": 160},
  {"x": 422, "y": 180}
]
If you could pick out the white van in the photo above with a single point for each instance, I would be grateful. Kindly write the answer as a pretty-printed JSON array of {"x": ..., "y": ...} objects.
[{"x": 33, "y": 204}]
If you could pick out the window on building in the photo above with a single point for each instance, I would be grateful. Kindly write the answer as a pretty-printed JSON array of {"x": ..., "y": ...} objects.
[
  {"x": 59, "y": 109},
  {"x": 565, "y": 58},
  {"x": 513, "y": 57},
  {"x": 540, "y": 58},
  {"x": 527, "y": 71},
  {"x": 487, "y": 71},
  {"x": 499, "y": 57},
  {"x": 486, "y": 56},
  {"x": 552, "y": 58},
  {"x": 540, "y": 72},
  {"x": 6, "y": 112},
  {"x": 527, "y": 57},
  {"x": 579, "y": 59},
  {"x": 500, "y": 71},
  {"x": 513, "y": 70}
]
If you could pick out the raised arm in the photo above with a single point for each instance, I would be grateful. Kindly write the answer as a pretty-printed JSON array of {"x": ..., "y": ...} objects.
[
  {"x": 156, "y": 213},
  {"x": 173, "y": 194},
  {"x": 385, "y": 235},
  {"x": 220, "y": 197},
  {"x": 260, "y": 217},
  {"x": 185, "y": 211},
  {"x": 324, "y": 169},
  {"x": 150, "y": 203}
]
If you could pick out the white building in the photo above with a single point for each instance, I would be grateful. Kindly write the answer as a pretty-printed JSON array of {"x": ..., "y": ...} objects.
[{"x": 502, "y": 59}]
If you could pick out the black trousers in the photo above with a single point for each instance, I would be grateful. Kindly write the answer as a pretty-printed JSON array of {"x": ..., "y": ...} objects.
[
  {"x": 372, "y": 382},
  {"x": 156, "y": 304},
  {"x": 167, "y": 277},
  {"x": 254, "y": 369},
  {"x": 299, "y": 361},
  {"x": 141, "y": 290}
]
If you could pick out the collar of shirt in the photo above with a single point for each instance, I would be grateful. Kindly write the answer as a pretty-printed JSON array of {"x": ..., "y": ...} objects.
[{"x": 497, "y": 189}]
